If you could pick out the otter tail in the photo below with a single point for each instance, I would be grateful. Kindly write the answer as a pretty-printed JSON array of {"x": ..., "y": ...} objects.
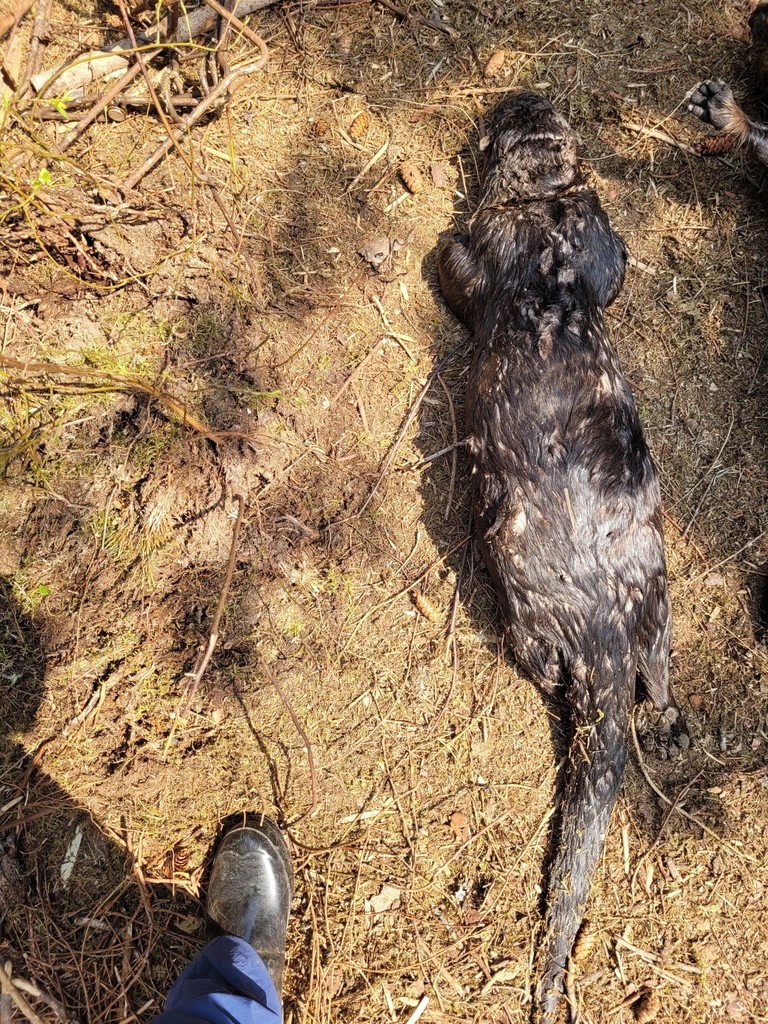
[{"x": 601, "y": 697}]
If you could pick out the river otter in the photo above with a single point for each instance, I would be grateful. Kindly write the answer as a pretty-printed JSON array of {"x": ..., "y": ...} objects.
[
  {"x": 714, "y": 103},
  {"x": 566, "y": 497}
]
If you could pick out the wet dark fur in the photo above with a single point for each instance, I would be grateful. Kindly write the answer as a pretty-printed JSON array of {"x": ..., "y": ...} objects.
[
  {"x": 566, "y": 496},
  {"x": 714, "y": 102}
]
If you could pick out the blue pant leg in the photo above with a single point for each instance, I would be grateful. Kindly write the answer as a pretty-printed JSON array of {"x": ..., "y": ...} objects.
[{"x": 226, "y": 983}]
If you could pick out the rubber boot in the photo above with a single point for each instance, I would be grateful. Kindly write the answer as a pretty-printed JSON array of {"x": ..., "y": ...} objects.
[{"x": 250, "y": 891}]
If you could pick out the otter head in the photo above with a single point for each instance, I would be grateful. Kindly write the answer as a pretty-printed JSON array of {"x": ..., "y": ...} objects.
[{"x": 531, "y": 152}]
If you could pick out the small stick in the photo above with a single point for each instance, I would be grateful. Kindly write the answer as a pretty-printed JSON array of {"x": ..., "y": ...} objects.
[
  {"x": 9, "y": 20},
  {"x": 421, "y": 20},
  {"x": 680, "y": 810},
  {"x": 214, "y": 636},
  {"x": 39, "y": 38},
  {"x": 454, "y": 453},
  {"x": 654, "y": 133},
  {"x": 40, "y": 993},
  {"x": 423, "y": 1003},
  {"x": 409, "y": 419},
  {"x": 302, "y": 733},
  {"x": 452, "y": 642},
  {"x": 9, "y": 988},
  {"x": 102, "y": 104},
  {"x": 374, "y": 159},
  {"x": 249, "y": 34},
  {"x": 360, "y": 366},
  {"x": 673, "y": 807},
  {"x": 194, "y": 117}
]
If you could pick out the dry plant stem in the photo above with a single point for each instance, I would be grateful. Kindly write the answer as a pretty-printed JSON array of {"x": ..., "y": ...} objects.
[
  {"x": 374, "y": 159},
  {"x": 249, "y": 34},
  {"x": 452, "y": 641},
  {"x": 419, "y": 18},
  {"x": 224, "y": 85},
  {"x": 102, "y": 104},
  {"x": 8, "y": 21},
  {"x": 40, "y": 993},
  {"x": 673, "y": 807},
  {"x": 409, "y": 419},
  {"x": 39, "y": 38},
  {"x": 8, "y": 988},
  {"x": 454, "y": 453},
  {"x": 691, "y": 817},
  {"x": 122, "y": 382},
  {"x": 214, "y": 636},
  {"x": 360, "y": 366},
  {"x": 302, "y": 732}
]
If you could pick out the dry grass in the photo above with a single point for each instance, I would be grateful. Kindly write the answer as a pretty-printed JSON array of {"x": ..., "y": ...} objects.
[{"x": 419, "y": 871}]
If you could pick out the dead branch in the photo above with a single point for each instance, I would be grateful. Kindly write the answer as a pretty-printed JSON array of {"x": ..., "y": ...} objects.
[
  {"x": 199, "y": 672},
  {"x": 45, "y": 997},
  {"x": 98, "y": 107},
  {"x": 8, "y": 988},
  {"x": 223, "y": 87},
  {"x": 307, "y": 745},
  {"x": 122, "y": 382},
  {"x": 75, "y": 75},
  {"x": 40, "y": 37},
  {"x": 9, "y": 20},
  {"x": 418, "y": 18},
  {"x": 234, "y": 22},
  {"x": 409, "y": 419}
]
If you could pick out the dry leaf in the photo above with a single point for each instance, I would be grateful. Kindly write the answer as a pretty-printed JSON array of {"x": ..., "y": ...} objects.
[
  {"x": 460, "y": 826},
  {"x": 387, "y": 899},
  {"x": 495, "y": 64},
  {"x": 439, "y": 177}
]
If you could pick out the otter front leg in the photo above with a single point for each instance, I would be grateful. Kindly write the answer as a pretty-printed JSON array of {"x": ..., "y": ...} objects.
[{"x": 461, "y": 279}]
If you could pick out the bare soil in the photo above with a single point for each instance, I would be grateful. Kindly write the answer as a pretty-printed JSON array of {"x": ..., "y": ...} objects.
[{"x": 419, "y": 796}]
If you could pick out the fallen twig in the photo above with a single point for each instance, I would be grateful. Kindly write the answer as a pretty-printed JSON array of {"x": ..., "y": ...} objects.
[
  {"x": 235, "y": 22},
  {"x": 40, "y": 36},
  {"x": 360, "y": 366},
  {"x": 45, "y": 997},
  {"x": 452, "y": 642},
  {"x": 302, "y": 732},
  {"x": 199, "y": 672},
  {"x": 454, "y": 452},
  {"x": 418, "y": 18},
  {"x": 76, "y": 74},
  {"x": 8, "y": 988},
  {"x": 186, "y": 123},
  {"x": 122, "y": 382},
  {"x": 409, "y": 419},
  {"x": 98, "y": 107},
  {"x": 680, "y": 810},
  {"x": 9, "y": 20}
]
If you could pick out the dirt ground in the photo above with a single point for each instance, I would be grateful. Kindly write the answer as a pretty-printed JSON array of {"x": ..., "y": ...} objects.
[{"x": 414, "y": 770}]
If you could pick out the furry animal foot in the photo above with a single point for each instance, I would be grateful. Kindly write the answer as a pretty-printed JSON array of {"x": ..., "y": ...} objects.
[
  {"x": 662, "y": 732},
  {"x": 713, "y": 103}
]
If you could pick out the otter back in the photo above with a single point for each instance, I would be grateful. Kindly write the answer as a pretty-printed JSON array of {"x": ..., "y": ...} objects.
[{"x": 566, "y": 496}]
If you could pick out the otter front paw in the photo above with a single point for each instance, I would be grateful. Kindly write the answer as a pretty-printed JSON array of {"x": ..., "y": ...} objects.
[{"x": 712, "y": 102}]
